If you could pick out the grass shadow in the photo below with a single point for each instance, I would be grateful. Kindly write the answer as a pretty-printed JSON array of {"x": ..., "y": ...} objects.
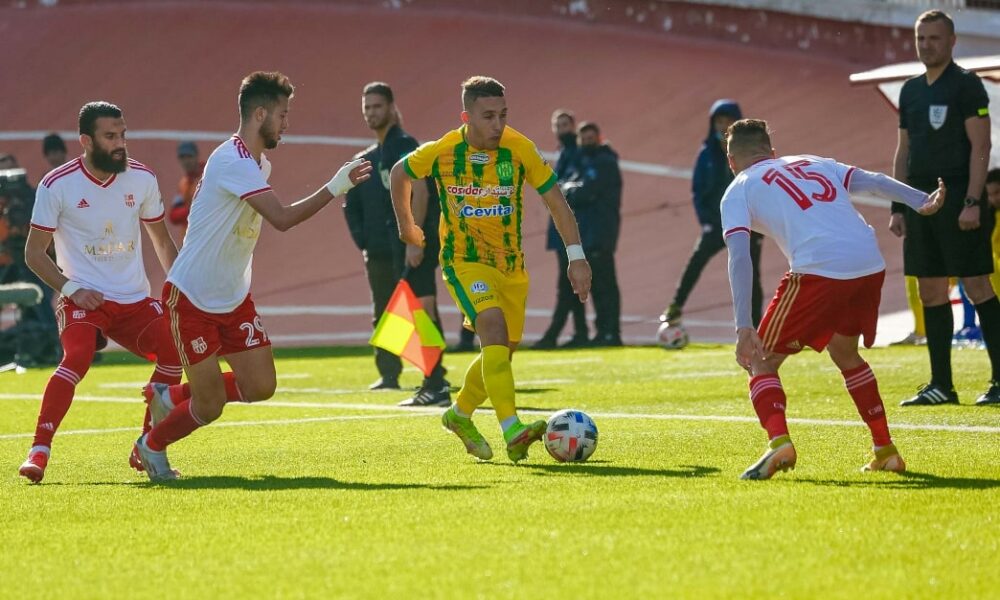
[
  {"x": 913, "y": 480},
  {"x": 607, "y": 469},
  {"x": 270, "y": 483}
]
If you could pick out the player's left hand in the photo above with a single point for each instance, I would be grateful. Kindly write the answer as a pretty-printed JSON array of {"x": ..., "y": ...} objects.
[
  {"x": 414, "y": 255},
  {"x": 580, "y": 278},
  {"x": 968, "y": 219},
  {"x": 748, "y": 345},
  {"x": 935, "y": 200}
]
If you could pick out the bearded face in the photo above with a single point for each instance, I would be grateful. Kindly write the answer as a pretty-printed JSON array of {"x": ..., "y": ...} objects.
[
  {"x": 269, "y": 132},
  {"x": 109, "y": 160}
]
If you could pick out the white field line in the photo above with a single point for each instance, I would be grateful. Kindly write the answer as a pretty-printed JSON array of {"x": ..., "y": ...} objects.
[
  {"x": 598, "y": 415},
  {"x": 14, "y": 436}
]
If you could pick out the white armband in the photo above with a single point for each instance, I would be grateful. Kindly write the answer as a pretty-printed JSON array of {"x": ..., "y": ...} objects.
[
  {"x": 575, "y": 252},
  {"x": 69, "y": 288}
]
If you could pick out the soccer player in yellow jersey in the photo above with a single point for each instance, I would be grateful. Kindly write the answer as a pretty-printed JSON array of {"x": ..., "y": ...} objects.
[{"x": 480, "y": 170}]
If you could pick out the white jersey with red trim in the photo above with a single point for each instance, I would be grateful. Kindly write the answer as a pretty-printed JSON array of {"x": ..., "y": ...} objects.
[
  {"x": 802, "y": 203},
  {"x": 95, "y": 226},
  {"x": 214, "y": 264}
]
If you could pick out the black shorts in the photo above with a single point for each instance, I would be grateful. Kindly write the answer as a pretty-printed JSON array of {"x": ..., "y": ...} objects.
[
  {"x": 423, "y": 277},
  {"x": 935, "y": 247}
]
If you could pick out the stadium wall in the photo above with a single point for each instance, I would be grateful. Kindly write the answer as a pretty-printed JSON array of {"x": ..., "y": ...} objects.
[{"x": 858, "y": 31}]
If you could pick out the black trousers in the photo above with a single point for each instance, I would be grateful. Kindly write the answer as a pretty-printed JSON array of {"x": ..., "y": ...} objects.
[
  {"x": 607, "y": 296},
  {"x": 567, "y": 303},
  {"x": 383, "y": 276},
  {"x": 707, "y": 246}
]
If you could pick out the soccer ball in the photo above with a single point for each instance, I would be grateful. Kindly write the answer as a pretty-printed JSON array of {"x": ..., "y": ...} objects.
[
  {"x": 672, "y": 337},
  {"x": 570, "y": 436}
]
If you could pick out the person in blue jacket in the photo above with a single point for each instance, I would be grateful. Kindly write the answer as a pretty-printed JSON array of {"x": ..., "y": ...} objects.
[{"x": 711, "y": 178}]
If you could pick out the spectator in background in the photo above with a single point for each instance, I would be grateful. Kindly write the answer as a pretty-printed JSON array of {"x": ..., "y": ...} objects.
[
  {"x": 54, "y": 150},
  {"x": 944, "y": 132},
  {"x": 8, "y": 161},
  {"x": 712, "y": 176},
  {"x": 595, "y": 194},
  {"x": 37, "y": 320},
  {"x": 567, "y": 303},
  {"x": 187, "y": 156}
]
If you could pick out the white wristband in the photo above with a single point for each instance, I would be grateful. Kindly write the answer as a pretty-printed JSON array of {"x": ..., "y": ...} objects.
[
  {"x": 69, "y": 288},
  {"x": 575, "y": 252}
]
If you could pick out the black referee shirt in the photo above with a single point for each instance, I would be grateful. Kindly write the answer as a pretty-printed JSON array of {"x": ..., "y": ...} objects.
[
  {"x": 934, "y": 118},
  {"x": 396, "y": 145}
]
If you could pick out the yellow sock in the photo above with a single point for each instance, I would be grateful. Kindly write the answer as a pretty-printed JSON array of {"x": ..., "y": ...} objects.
[
  {"x": 916, "y": 307},
  {"x": 499, "y": 380},
  {"x": 473, "y": 392}
]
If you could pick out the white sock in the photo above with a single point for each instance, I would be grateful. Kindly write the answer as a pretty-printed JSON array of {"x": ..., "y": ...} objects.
[
  {"x": 509, "y": 422},
  {"x": 43, "y": 449},
  {"x": 458, "y": 411}
]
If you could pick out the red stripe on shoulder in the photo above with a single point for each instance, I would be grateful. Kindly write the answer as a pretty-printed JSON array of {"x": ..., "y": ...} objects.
[
  {"x": 255, "y": 192},
  {"x": 49, "y": 181},
  {"x": 42, "y": 227},
  {"x": 59, "y": 171},
  {"x": 153, "y": 220},
  {"x": 241, "y": 148},
  {"x": 737, "y": 230},
  {"x": 140, "y": 167},
  {"x": 847, "y": 179}
]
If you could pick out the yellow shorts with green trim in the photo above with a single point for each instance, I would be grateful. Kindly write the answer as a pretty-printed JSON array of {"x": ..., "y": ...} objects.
[{"x": 475, "y": 287}]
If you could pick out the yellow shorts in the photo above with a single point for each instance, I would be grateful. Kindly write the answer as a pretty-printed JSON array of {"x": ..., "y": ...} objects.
[{"x": 475, "y": 287}]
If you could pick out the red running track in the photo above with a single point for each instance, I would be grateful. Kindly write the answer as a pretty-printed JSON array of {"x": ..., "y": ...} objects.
[{"x": 177, "y": 66}]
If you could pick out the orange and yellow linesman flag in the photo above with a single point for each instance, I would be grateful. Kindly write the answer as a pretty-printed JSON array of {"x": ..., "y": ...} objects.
[{"x": 407, "y": 331}]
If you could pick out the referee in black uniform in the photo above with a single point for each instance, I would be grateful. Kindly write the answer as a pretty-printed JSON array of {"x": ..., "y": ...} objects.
[
  {"x": 418, "y": 265},
  {"x": 944, "y": 132}
]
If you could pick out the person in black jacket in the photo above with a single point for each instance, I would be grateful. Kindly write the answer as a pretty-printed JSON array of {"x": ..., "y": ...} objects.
[
  {"x": 386, "y": 258},
  {"x": 367, "y": 222},
  {"x": 567, "y": 302},
  {"x": 712, "y": 176},
  {"x": 595, "y": 194}
]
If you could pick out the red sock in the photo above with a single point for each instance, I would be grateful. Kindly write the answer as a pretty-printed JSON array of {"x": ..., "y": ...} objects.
[
  {"x": 863, "y": 387},
  {"x": 178, "y": 425},
  {"x": 182, "y": 392},
  {"x": 768, "y": 398},
  {"x": 79, "y": 344}
]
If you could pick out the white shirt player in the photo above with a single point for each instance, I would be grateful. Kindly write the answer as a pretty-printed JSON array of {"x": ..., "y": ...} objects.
[
  {"x": 95, "y": 226},
  {"x": 803, "y": 204},
  {"x": 213, "y": 266}
]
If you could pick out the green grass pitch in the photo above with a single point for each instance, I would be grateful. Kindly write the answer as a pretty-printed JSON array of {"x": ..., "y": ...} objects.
[{"x": 330, "y": 491}]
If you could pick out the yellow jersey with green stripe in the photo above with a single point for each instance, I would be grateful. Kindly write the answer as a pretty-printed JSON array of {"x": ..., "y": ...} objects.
[{"x": 482, "y": 195}]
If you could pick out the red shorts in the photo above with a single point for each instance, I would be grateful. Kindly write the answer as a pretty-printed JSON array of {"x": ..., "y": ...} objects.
[
  {"x": 199, "y": 334},
  {"x": 123, "y": 323},
  {"x": 808, "y": 309}
]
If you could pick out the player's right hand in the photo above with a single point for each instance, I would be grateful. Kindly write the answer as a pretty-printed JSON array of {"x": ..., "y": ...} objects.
[
  {"x": 87, "y": 299},
  {"x": 896, "y": 225},
  {"x": 411, "y": 234},
  {"x": 748, "y": 346},
  {"x": 935, "y": 200},
  {"x": 580, "y": 278}
]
